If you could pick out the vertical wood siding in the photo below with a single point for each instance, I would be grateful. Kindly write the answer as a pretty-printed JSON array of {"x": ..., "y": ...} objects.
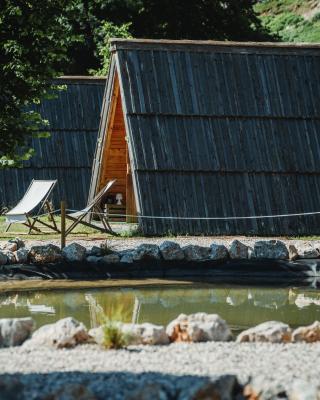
[
  {"x": 67, "y": 155},
  {"x": 221, "y": 133}
]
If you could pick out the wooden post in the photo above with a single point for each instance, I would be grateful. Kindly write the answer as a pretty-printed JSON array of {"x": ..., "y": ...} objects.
[{"x": 63, "y": 223}]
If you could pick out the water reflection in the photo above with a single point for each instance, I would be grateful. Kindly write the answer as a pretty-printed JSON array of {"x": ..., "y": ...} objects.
[{"x": 240, "y": 306}]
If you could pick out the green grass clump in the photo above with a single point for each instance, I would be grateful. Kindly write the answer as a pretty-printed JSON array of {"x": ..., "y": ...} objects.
[{"x": 113, "y": 337}]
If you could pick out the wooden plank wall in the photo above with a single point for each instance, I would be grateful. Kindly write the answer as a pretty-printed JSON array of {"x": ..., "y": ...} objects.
[{"x": 114, "y": 156}]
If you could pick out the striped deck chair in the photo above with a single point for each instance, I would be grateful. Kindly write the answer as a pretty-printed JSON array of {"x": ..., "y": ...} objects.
[
  {"x": 83, "y": 216},
  {"x": 36, "y": 196}
]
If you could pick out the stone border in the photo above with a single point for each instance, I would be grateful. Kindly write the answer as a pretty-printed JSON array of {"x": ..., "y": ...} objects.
[{"x": 267, "y": 260}]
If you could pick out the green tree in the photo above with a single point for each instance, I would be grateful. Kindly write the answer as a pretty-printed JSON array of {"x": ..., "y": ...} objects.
[
  {"x": 34, "y": 41},
  {"x": 160, "y": 19}
]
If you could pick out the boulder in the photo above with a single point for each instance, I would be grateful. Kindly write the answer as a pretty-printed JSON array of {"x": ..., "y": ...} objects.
[
  {"x": 95, "y": 251},
  {"x": 3, "y": 258},
  {"x": 126, "y": 257},
  {"x": 307, "y": 334},
  {"x": 64, "y": 333},
  {"x": 293, "y": 252},
  {"x": 306, "y": 250},
  {"x": 11, "y": 258},
  {"x": 14, "y": 331},
  {"x": 11, "y": 246},
  {"x": 271, "y": 331},
  {"x": 45, "y": 254},
  {"x": 264, "y": 388},
  {"x": 145, "y": 334},
  {"x": 239, "y": 250},
  {"x": 150, "y": 391},
  {"x": 171, "y": 251},
  {"x": 196, "y": 253},
  {"x": 10, "y": 388},
  {"x": 113, "y": 258},
  {"x": 199, "y": 327},
  {"x": 22, "y": 255},
  {"x": 146, "y": 252},
  {"x": 272, "y": 249},
  {"x": 93, "y": 259},
  {"x": 218, "y": 252},
  {"x": 71, "y": 391},
  {"x": 303, "y": 390},
  {"x": 74, "y": 252},
  {"x": 220, "y": 387},
  {"x": 14, "y": 244}
]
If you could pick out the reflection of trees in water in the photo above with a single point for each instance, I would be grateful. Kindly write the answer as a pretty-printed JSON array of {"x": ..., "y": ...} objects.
[{"x": 239, "y": 306}]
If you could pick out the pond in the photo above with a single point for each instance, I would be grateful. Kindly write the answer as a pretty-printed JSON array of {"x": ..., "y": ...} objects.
[{"x": 240, "y": 306}]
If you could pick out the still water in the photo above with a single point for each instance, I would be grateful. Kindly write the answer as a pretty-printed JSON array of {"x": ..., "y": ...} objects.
[{"x": 241, "y": 307}]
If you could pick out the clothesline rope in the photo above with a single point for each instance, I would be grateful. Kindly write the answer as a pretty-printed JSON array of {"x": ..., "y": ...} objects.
[{"x": 203, "y": 218}]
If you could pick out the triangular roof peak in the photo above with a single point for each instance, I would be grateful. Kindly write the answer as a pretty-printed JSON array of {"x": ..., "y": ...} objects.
[{"x": 207, "y": 45}]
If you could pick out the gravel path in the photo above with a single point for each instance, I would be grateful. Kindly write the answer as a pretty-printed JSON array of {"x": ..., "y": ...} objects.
[{"x": 116, "y": 374}]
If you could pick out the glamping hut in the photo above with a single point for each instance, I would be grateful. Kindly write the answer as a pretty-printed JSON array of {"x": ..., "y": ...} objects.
[
  {"x": 194, "y": 131},
  {"x": 74, "y": 115}
]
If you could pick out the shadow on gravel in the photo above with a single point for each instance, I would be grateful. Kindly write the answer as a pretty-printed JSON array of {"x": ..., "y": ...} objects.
[{"x": 117, "y": 385}]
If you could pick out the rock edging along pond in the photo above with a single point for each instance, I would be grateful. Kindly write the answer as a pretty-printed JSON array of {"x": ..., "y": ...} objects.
[
  {"x": 266, "y": 258},
  {"x": 193, "y": 328}
]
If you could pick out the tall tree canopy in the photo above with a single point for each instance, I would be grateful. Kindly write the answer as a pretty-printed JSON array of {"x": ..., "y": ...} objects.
[
  {"x": 34, "y": 40},
  {"x": 39, "y": 40},
  {"x": 162, "y": 19}
]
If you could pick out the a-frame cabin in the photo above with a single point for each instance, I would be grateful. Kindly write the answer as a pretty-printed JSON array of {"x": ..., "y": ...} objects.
[{"x": 202, "y": 130}]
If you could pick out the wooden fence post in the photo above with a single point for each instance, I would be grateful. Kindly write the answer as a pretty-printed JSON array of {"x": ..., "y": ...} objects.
[{"x": 63, "y": 223}]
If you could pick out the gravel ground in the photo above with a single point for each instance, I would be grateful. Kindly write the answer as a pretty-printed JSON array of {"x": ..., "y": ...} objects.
[
  {"x": 128, "y": 243},
  {"x": 116, "y": 374}
]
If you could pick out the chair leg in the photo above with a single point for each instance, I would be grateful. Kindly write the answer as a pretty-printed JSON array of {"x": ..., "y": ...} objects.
[{"x": 8, "y": 227}]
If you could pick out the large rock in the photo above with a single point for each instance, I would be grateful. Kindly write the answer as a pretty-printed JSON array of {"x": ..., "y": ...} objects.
[
  {"x": 113, "y": 258},
  {"x": 14, "y": 244},
  {"x": 307, "y": 334},
  {"x": 65, "y": 333},
  {"x": 196, "y": 253},
  {"x": 239, "y": 250},
  {"x": 45, "y": 254},
  {"x": 271, "y": 331},
  {"x": 11, "y": 258},
  {"x": 303, "y": 390},
  {"x": 145, "y": 334},
  {"x": 304, "y": 250},
  {"x": 22, "y": 255},
  {"x": 74, "y": 252},
  {"x": 3, "y": 258},
  {"x": 127, "y": 257},
  {"x": 199, "y": 327},
  {"x": 93, "y": 259},
  {"x": 146, "y": 252},
  {"x": 71, "y": 391},
  {"x": 261, "y": 387},
  {"x": 218, "y": 252},
  {"x": 272, "y": 249},
  {"x": 10, "y": 388},
  {"x": 171, "y": 251},
  {"x": 223, "y": 387},
  {"x": 136, "y": 334},
  {"x": 14, "y": 331},
  {"x": 150, "y": 391}
]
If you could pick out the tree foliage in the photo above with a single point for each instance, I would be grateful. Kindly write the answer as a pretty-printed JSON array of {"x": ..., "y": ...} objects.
[
  {"x": 165, "y": 19},
  {"x": 39, "y": 40},
  {"x": 34, "y": 40}
]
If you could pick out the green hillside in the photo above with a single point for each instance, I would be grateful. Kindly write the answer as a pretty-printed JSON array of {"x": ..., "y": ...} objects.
[{"x": 291, "y": 20}]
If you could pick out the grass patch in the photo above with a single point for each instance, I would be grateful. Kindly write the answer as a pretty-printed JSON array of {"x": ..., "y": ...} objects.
[
  {"x": 21, "y": 230},
  {"x": 113, "y": 336}
]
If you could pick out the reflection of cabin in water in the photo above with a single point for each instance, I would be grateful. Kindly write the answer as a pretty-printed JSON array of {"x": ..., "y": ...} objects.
[{"x": 212, "y": 129}]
